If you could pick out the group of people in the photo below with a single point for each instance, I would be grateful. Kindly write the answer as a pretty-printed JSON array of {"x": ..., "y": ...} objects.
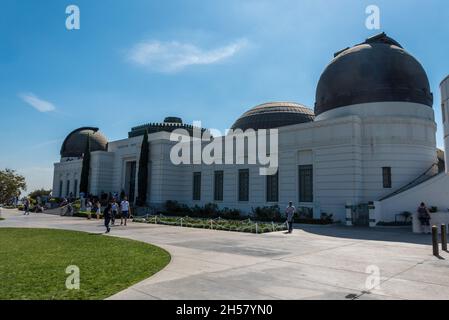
[{"x": 111, "y": 211}]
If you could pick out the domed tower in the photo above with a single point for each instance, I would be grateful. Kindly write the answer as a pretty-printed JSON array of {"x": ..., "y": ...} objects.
[
  {"x": 376, "y": 71},
  {"x": 384, "y": 91},
  {"x": 74, "y": 144},
  {"x": 273, "y": 115}
]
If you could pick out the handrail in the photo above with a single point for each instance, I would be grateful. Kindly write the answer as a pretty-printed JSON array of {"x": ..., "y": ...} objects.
[{"x": 411, "y": 184}]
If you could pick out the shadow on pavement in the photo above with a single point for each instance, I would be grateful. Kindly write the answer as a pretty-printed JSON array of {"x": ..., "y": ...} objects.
[{"x": 394, "y": 234}]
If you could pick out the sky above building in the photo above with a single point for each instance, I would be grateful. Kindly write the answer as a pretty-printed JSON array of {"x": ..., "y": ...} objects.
[{"x": 138, "y": 61}]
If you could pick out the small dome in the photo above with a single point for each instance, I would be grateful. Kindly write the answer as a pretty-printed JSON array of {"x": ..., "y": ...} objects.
[
  {"x": 377, "y": 70},
  {"x": 273, "y": 115},
  {"x": 173, "y": 120},
  {"x": 75, "y": 143}
]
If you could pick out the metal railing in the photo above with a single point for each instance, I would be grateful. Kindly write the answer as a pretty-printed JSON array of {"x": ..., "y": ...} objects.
[{"x": 246, "y": 225}]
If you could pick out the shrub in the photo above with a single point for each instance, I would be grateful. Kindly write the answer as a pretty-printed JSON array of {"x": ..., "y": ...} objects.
[
  {"x": 271, "y": 213},
  {"x": 433, "y": 209},
  {"x": 231, "y": 214}
]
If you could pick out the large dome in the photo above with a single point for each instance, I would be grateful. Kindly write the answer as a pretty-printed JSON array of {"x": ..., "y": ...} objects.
[
  {"x": 75, "y": 143},
  {"x": 273, "y": 115},
  {"x": 376, "y": 70}
]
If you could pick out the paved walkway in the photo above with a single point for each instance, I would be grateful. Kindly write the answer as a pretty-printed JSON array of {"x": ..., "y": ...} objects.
[{"x": 315, "y": 262}]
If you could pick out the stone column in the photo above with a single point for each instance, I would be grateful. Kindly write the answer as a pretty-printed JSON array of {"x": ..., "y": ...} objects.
[
  {"x": 372, "y": 214},
  {"x": 316, "y": 210},
  {"x": 348, "y": 207}
]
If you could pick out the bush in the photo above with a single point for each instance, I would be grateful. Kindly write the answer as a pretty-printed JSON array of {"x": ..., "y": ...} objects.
[
  {"x": 209, "y": 211},
  {"x": 271, "y": 213},
  {"x": 433, "y": 209},
  {"x": 231, "y": 214},
  {"x": 39, "y": 193},
  {"x": 262, "y": 214}
]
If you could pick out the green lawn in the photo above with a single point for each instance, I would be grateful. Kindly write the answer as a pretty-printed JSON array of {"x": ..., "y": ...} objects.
[{"x": 33, "y": 263}]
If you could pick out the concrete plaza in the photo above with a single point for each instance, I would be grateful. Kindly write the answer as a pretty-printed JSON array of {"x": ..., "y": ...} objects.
[{"x": 315, "y": 262}]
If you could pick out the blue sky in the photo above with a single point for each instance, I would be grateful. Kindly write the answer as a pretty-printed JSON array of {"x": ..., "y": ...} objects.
[{"x": 137, "y": 61}]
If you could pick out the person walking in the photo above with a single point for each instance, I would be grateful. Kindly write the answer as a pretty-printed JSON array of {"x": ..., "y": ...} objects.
[
  {"x": 114, "y": 209},
  {"x": 69, "y": 211},
  {"x": 290, "y": 212},
  {"x": 424, "y": 217},
  {"x": 26, "y": 207},
  {"x": 107, "y": 217},
  {"x": 98, "y": 209},
  {"x": 125, "y": 209},
  {"x": 89, "y": 209}
]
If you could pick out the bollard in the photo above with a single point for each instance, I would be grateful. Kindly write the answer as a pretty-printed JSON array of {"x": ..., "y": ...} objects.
[
  {"x": 443, "y": 237},
  {"x": 435, "y": 241}
]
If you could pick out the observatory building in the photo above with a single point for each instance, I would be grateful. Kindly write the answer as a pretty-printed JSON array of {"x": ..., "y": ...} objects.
[{"x": 365, "y": 153}]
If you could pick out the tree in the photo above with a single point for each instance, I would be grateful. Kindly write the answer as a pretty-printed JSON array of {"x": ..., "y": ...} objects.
[
  {"x": 85, "y": 170},
  {"x": 11, "y": 185},
  {"x": 39, "y": 193},
  {"x": 142, "y": 179}
]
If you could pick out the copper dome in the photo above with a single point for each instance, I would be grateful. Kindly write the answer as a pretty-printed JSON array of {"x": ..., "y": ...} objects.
[
  {"x": 74, "y": 145},
  {"x": 273, "y": 115}
]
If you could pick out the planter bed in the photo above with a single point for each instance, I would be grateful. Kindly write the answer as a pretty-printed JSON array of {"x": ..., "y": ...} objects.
[{"x": 248, "y": 225}]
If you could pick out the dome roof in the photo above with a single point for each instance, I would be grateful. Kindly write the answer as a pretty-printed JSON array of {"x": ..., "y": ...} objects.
[
  {"x": 376, "y": 70},
  {"x": 75, "y": 143},
  {"x": 273, "y": 115}
]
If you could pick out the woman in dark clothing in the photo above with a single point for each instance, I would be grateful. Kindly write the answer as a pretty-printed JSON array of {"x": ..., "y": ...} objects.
[
  {"x": 107, "y": 217},
  {"x": 424, "y": 217}
]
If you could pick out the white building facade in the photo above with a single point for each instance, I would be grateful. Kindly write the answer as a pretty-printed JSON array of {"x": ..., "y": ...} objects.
[{"x": 369, "y": 141}]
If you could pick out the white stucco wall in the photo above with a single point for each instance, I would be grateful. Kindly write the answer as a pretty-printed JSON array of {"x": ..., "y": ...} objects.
[
  {"x": 66, "y": 171},
  {"x": 434, "y": 192},
  {"x": 347, "y": 147},
  {"x": 444, "y": 87}
]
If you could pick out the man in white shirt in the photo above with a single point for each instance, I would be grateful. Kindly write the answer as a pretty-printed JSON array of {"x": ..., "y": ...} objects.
[
  {"x": 125, "y": 209},
  {"x": 290, "y": 213}
]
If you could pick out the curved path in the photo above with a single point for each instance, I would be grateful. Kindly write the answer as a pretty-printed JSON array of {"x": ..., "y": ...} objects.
[{"x": 316, "y": 262}]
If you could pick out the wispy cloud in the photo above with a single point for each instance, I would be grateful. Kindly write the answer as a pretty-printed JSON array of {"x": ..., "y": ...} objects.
[
  {"x": 175, "y": 56},
  {"x": 45, "y": 143},
  {"x": 37, "y": 103}
]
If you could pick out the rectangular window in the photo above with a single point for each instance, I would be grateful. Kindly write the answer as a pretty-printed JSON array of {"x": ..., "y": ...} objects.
[
  {"x": 386, "y": 175},
  {"x": 197, "y": 186},
  {"x": 67, "y": 191},
  {"x": 273, "y": 187},
  {"x": 60, "y": 188},
  {"x": 75, "y": 188},
  {"x": 218, "y": 186},
  {"x": 244, "y": 185},
  {"x": 306, "y": 183},
  {"x": 443, "y": 112}
]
